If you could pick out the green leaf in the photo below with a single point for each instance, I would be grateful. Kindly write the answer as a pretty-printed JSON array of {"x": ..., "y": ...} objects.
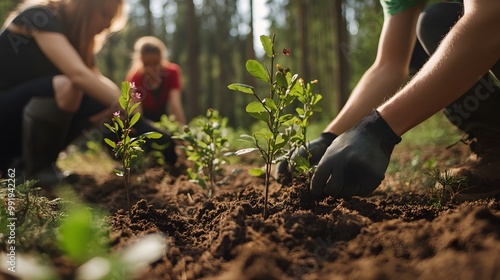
[
  {"x": 255, "y": 107},
  {"x": 229, "y": 154},
  {"x": 257, "y": 70},
  {"x": 134, "y": 119},
  {"x": 119, "y": 173},
  {"x": 80, "y": 235},
  {"x": 281, "y": 80},
  {"x": 280, "y": 143},
  {"x": 289, "y": 99},
  {"x": 270, "y": 104},
  {"x": 316, "y": 99},
  {"x": 245, "y": 151},
  {"x": 120, "y": 122},
  {"x": 285, "y": 118},
  {"x": 293, "y": 80},
  {"x": 125, "y": 88},
  {"x": 110, "y": 143},
  {"x": 256, "y": 172},
  {"x": 190, "y": 173},
  {"x": 300, "y": 111},
  {"x": 267, "y": 44},
  {"x": 112, "y": 129},
  {"x": 194, "y": 157},
  {"x": 257, "y": 110},
  {"x": 123, "y": 102},
  {"x": 242, "y": 87},
  {"x": 153, "y": 135},
  {"x": 132, "y": 109},
  {"x": 301, "y": 161}
]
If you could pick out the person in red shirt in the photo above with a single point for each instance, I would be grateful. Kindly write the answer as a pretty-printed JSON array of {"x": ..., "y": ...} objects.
[{"x": 157, "y": 79}]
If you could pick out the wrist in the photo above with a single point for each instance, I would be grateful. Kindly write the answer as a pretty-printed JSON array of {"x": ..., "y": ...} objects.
[
  {"x": 376, "y": 124},
  {"x": 328, "y": 137}
]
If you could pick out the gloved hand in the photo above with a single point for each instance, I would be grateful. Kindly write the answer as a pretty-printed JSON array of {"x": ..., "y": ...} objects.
[
  {"x": 317, "y": 148},
  {"x": 355, "y": 163}
]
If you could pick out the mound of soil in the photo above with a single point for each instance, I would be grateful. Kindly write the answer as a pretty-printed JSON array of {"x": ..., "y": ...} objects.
[
  {"x": 396, "y": 233},
  {"x": 393, "y": 234}
]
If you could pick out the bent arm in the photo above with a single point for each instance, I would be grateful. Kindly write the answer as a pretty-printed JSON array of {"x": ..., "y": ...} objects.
[
  {"x": 62, "y": 54},
  {"x": 386, "y": 75},
  {"x": 469, "y": 50}
]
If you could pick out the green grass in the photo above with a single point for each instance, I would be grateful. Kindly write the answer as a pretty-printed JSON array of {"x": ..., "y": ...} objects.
[{"x": 436, "y": 130}]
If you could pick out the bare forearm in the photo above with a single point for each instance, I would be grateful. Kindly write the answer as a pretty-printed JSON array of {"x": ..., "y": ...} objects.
[
  {"x": 467, "y": 53},
  {"x": 98, "y": 87},
  {"x": 174, "y": 106},
  {"x": 386, "y": 75},
  {"x": 373, "y": 88}
]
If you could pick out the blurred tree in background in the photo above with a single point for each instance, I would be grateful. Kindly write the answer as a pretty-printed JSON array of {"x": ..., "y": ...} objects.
[{"x": 331, "y": 41}]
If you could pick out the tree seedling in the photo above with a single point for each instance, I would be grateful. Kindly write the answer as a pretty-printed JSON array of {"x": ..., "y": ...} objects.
[
  {"x": 208, "y": 148},
  {"x": 127, "y": 147},
  {"x": 282, "y": 128},
  {"x": 451, "y": 185},
  {"x": 298, "y": 131}
]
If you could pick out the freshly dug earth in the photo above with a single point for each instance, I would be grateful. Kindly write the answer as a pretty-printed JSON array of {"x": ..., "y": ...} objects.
[
  {"x": 399, "y": 232},
  {"x": 396, "y": 233}
]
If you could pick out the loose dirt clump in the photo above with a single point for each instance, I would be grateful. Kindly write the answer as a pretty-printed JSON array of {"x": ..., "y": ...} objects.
[{"x": 396, "y": 233}]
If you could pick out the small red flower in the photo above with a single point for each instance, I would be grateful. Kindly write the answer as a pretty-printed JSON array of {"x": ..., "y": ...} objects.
[
  {"x": 132, "y": 85},
  {"x": 286, "y": 51},
  {"x": 116, "y": 114}
]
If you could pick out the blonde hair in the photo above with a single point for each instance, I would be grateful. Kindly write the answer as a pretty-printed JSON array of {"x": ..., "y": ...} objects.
[
  {"x": 146, "y": 45},
  {"x": 76, "y": 16}
]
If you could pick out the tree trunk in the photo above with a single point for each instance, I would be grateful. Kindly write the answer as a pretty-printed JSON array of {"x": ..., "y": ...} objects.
[
  {"x": 149, "y": 17},
  {"x": 193, "y": 64},
  {"x": 304, "y": 40},
  {"x": 343, "y": 70}
]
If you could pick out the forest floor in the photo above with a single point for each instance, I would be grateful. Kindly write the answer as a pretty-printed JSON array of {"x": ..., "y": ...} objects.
[
  {"x": 401, "y": 231},
  {"x": 404, "y": 230}
]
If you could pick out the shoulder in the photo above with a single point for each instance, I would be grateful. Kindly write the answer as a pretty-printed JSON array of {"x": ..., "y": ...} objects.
[
  {"x": 392, "y": 7},
  {"x": 40, "y": 18}
]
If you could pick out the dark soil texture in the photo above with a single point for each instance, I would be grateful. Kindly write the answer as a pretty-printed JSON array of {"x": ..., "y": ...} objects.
[{"x": 395, "y": 233}]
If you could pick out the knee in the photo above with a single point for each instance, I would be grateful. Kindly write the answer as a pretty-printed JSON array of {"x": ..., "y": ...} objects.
[
  {"x": 68, "y": 98},
  {"x": 435, "y": 22}
]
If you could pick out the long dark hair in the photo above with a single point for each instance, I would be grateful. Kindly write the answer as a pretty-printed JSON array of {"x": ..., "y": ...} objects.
[{"x": 76, "y": 16}]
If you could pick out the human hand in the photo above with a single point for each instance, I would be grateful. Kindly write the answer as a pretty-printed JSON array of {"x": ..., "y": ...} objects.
[
  {"x": 317, "y": 148},
  {"x": 355, "y": 163}
]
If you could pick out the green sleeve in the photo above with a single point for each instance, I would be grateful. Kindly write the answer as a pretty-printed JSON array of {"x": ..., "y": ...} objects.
[{"x": 392, "y": 7}]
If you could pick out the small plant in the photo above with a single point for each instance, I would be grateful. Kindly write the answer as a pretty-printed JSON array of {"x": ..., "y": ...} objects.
[
  {"x": 127, "y": 148},
  {"x": 36, "y": 216},
  {"x": 208, "y": 148},
  {"x": 298, "y": 130},
  {"x": 450, "y": 186},
  {"x": 283, "y": 128},
  {"x": 167, "y": 123},
  {"x": 75, "y": 231}
]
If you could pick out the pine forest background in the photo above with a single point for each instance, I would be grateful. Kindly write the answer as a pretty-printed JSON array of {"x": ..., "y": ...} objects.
[{"x": 331, "y": 41}]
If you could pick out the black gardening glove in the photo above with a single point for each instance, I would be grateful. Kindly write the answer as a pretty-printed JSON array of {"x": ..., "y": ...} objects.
[
  {"x": 355, "y": 163},
  {"x": 317, "y": 148}
]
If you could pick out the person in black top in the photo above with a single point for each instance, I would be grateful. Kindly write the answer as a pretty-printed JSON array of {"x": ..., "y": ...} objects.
[{"x": 50, "y": 85}]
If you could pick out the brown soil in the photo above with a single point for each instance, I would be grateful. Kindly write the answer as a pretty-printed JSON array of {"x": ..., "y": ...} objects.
[{"x": 396, "y": 233}]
